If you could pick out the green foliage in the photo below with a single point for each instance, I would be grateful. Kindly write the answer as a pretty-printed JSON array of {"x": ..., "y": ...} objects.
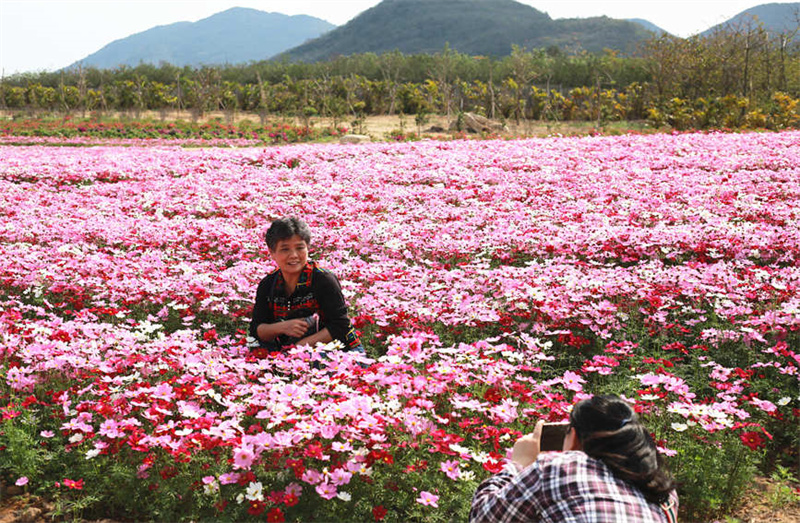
[
  {"x": 714, "y": 471},
  {"x": 784, "y": 492},
  {"x": 23, "y": 456}
]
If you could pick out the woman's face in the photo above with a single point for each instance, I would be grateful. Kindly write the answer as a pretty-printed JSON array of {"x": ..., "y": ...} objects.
[{"x": 291, "y": 255}]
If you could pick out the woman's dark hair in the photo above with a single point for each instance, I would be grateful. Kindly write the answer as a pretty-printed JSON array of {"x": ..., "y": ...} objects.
[
  {"x": 609, "y": 430},
  {"x": 285, "y": 228}
]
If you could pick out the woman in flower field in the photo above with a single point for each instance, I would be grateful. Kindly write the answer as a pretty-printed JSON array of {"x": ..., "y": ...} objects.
[
  {"x": 609, "y": 471},
  {"x": 299, "y": 303}
]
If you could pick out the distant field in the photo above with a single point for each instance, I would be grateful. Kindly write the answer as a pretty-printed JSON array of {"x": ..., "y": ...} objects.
[{"x": 378, "y": 127}]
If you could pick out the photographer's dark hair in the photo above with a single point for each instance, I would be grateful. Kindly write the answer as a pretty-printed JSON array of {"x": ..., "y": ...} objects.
[
  {"x": 285, "y": 228},
  {"x": 609, "y": 430}
]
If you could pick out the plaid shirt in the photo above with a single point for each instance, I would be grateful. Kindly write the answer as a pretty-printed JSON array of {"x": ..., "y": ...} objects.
[{"x": 564, "y": 487}]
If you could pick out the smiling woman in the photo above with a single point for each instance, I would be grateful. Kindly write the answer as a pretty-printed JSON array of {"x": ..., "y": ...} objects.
[{"x": 299, "y": 303}]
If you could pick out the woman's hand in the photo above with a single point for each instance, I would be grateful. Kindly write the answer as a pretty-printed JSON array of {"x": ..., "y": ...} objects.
[
  {"x": 526, "y": 449},
  {"x": 294, "y": 328}
]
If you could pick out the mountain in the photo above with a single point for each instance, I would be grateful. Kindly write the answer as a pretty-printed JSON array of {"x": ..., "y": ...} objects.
[
  {"x": 653, "y": 28},
  {"x": 233, "y": 36},
  {"x": 475, "y": 27},
  {"x": 776, "y": 18}
]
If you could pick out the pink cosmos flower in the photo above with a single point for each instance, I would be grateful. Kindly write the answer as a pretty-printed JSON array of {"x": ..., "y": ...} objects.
[
  {"x": 326, "y": 490},
  {"x": 293, "y": 489},
  {"x": 451, "y": 468},
  {"x": 228, "y": 478},
  {"x": 340, "y": 477},
  {"x": 329, "y": 431},
  {"x": 506, "y": 410},
  {"x": 311, "y": 476},
  {"x": 572, "y": 381},
  {"x": 110, "y": 429},
  {"x": 766, "y": 406},
  {"x": 426, "y": 498},
  {"x": 21, "y": 482},
  {"x": 243, "y": 457}
]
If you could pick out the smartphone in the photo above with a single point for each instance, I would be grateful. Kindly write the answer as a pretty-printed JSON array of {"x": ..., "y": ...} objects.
[{"x": 553, "y": 435}]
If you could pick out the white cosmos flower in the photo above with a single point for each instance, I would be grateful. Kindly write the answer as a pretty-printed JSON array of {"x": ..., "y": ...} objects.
[
  {"x": 466, "y": 475},
  {"x": 255, "y": 491},
  {"x": 480, "y": 457}
]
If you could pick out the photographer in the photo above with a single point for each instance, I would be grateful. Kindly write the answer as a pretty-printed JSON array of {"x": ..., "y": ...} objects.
[{"x": 609, "y": 471}]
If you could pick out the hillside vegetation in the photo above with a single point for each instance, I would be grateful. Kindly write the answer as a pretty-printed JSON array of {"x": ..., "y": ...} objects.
[
  {"x": 238, "y": 35},
  {"x": 775, "y": 18},
  {"x": 475, "y": 27}
]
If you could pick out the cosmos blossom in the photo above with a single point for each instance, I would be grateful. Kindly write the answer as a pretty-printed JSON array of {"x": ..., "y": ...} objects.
[{"x": 428, "y": 499}]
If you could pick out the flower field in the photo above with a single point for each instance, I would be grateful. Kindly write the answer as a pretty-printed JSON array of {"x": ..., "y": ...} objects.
[
  {"x": 85, "y": 132},
  {"x": 494, "y": 283}
]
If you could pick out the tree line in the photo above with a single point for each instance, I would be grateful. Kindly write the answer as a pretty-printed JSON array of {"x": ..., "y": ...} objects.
[{"x": 737, "y": 76}]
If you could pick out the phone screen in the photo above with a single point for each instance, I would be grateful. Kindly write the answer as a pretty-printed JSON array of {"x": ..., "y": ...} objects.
[{"x": 553, "y": 436}]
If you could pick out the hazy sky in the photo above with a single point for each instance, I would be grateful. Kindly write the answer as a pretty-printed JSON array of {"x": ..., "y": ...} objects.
[{"x": 50, "y": 34}]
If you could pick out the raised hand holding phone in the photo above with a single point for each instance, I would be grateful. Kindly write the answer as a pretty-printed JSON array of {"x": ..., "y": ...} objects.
[{"x": 526, "y": 449}]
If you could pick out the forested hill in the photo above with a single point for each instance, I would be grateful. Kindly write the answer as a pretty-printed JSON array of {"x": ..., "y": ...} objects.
[
  {"x": 650, "y": 26},
  {"x": 234, "y": 36},
  {"x": 475, "y": 27},
  {"x": 775, "y": 18}
]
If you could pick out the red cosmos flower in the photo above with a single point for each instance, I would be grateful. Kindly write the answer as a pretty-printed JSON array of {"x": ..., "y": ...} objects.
[
  {"x": 77, "y": 485},
  {"x": 259, "y": 353},
  {"x": 221, "y": 505},
  {"x": 290, "y": 500},
  {"x": 380, "y": 455},
  {"x": 169, "y": 472},
  {"x": 495, "y": 464},
  {"x": 245, "y": 478},
  {"x": 275, "y": 516},
  {"x": 8, "y": 413},
  {"x": 753, "y": 440},
  {"x": 314, "y": 450},
  {"x": 297, "y": 466},
  {"x": 185, "y": 390},
  {"x": 276, "y": 496},
  {"x": 379, "y": 512},
  {"x": 493, "y": 394},
  {"x": 256, "y": 507}
]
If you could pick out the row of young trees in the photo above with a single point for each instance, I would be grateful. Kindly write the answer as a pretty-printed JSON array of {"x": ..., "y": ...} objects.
[{"x": 737, "y": 71}]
